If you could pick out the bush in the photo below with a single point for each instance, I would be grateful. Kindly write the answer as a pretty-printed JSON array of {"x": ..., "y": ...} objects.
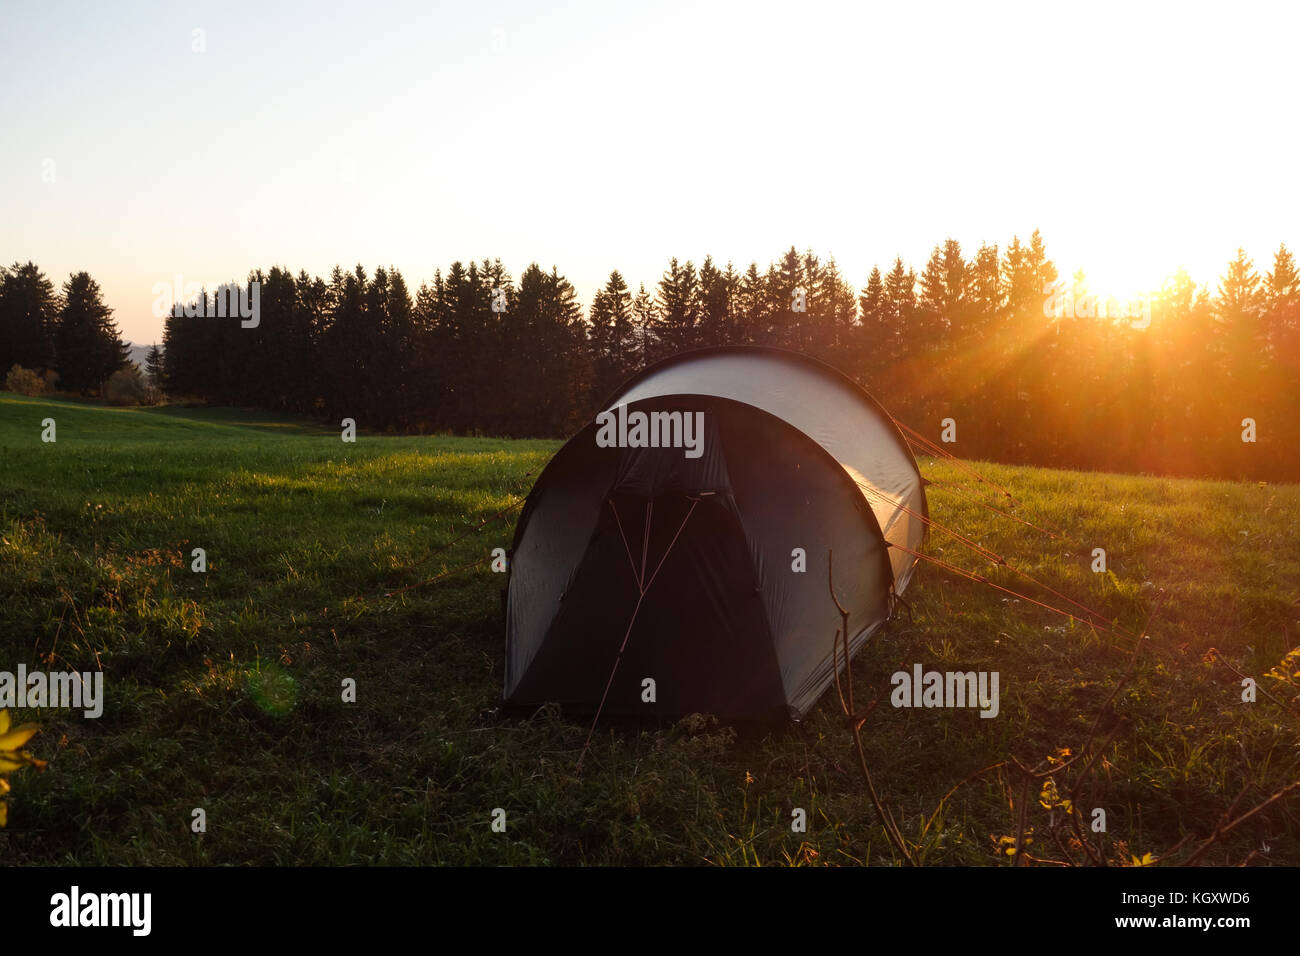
[
  {"x": 127, "y": 386},
  {"x": 24, "y": 381}
]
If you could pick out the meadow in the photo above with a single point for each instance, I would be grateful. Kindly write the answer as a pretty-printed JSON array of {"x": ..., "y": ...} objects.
[{"x": 329, "y": 561}]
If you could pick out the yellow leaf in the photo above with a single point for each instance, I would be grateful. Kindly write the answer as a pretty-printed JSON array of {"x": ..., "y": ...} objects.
[
  {"x": 1049, "y": 797},
  {"x": 17, "y": 759},
  {"x": 17, "y": 737},
  {"x": 4, "y": 814},
  {"x": 4, "y": 721}
]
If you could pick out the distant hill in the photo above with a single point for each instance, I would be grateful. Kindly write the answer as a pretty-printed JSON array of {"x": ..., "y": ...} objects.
[{"x": 139, "y": 354}]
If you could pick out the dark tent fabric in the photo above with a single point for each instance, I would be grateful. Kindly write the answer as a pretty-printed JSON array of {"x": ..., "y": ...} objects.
[{"x": 686, "y": 566}]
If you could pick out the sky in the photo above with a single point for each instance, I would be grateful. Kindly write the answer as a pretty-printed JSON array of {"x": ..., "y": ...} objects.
[{"x": 1138, "y": 137}]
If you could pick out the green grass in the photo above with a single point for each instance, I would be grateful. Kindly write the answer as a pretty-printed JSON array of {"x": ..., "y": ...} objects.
[{"x": 224, "y": 688}]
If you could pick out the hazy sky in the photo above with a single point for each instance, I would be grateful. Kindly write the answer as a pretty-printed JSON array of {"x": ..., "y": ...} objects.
[{"x": 593, "y": 136}]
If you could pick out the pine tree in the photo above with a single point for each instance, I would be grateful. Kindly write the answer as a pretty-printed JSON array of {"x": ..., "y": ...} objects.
[
  {"x": 715, "y": 305},
  {"x": 285, "y": 340},
  {"x": 645, "y": 321},
  {"x": 610, "y": 336},
  {"x": 498, "y": 288},
  {"x": 388, "y": 317},
  {"x": 838, "y": 311},
  {"x": 678, "y": 302},
  {"x": 346, "y": 345},
  {"x": 1042, "y": 270},
  {"x": 731, "y": 281},
  {"x": 985, "y": 288},
  {"x": 873, "y": 305},
  {"x": 782, "y": 281},
  {"x": 29, "y": 310},
  {"x": 428, "y": 363},
  {"x": 932, "y": 311},
  {"x": 809, "y": 329},
  {"x": 153, "y": 366},
  {"x": 873, "y": 350},
  {"x": 900, "y": 294},
  {"x": 1282, "y": 285},
  {"x": 1282, "y": 310},
  {"x": 554, "y": 377},
  {"x": 1239, "y": 307},
  {"x": 1021, "y": 293},
  {"x": 86, "y": 338},
  {"x": 178, "y": 359},
  {"x": 751, "y": 307},
  {"x": 314, "y": 297},
  {"x": 1018, "y": 401},
  {"x": 957, "y": 281}
]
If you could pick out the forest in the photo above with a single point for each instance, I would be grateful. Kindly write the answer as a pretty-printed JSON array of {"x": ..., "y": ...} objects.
[{"x": 995, "y": 352}]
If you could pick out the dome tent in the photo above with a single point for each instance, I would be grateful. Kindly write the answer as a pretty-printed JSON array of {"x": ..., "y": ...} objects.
[{"x": 661, "y": 543}]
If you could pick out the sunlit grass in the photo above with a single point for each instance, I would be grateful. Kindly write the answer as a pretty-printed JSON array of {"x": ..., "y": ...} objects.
[{"x": 223, "y": 689}]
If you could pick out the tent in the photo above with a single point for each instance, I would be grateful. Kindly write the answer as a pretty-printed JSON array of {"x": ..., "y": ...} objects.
[{"x": 672, "y": 556}]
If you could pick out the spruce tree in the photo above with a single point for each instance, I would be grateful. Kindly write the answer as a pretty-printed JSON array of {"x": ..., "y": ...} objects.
[
  {"x": 872, "y": 303},
  {"x": 1282, "y": 308},
  {"x": 957, "y": 279},
  {"x": 1239, "y": 307},
  {"x": 611, "y": 335},
  {"x": 751, "y": 307},
  {"x": 678, "y": 305},
  {"x": 782, "y": 282},
  {"x": 900, "y": 294},
  {"x": 838, "y": 308},
  {"x": 714, "y": 305},
  {"x": 876, "y": 338},
  {"x": 1043, "y": 271},
  {"x": 933, "y": 304},
  {"x": 29, "y": 311},
  {"x": 1017, "y": 280},
  {"x": 645, "y": 320},
  {"x": 1282, "y": 285},
  {"x": 985, "y": 289},
  {"x": 86, "y": 338},
  {"x": 153, "y": 366}
]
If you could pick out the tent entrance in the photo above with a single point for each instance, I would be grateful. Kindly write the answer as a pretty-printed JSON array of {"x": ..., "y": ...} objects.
[{"x": 667, "y": 580}]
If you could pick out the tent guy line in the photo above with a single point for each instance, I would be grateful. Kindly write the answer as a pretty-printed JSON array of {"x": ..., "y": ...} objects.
[{"x": 640, "y": 599}]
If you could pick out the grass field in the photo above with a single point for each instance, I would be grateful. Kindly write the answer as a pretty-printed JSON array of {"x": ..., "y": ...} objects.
[{"x": 224, "y": 688}]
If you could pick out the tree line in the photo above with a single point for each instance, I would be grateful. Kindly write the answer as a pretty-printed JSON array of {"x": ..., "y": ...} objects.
[
  {"x": 1028, "y": 366},
  {"x": 69, "y": 332}
]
